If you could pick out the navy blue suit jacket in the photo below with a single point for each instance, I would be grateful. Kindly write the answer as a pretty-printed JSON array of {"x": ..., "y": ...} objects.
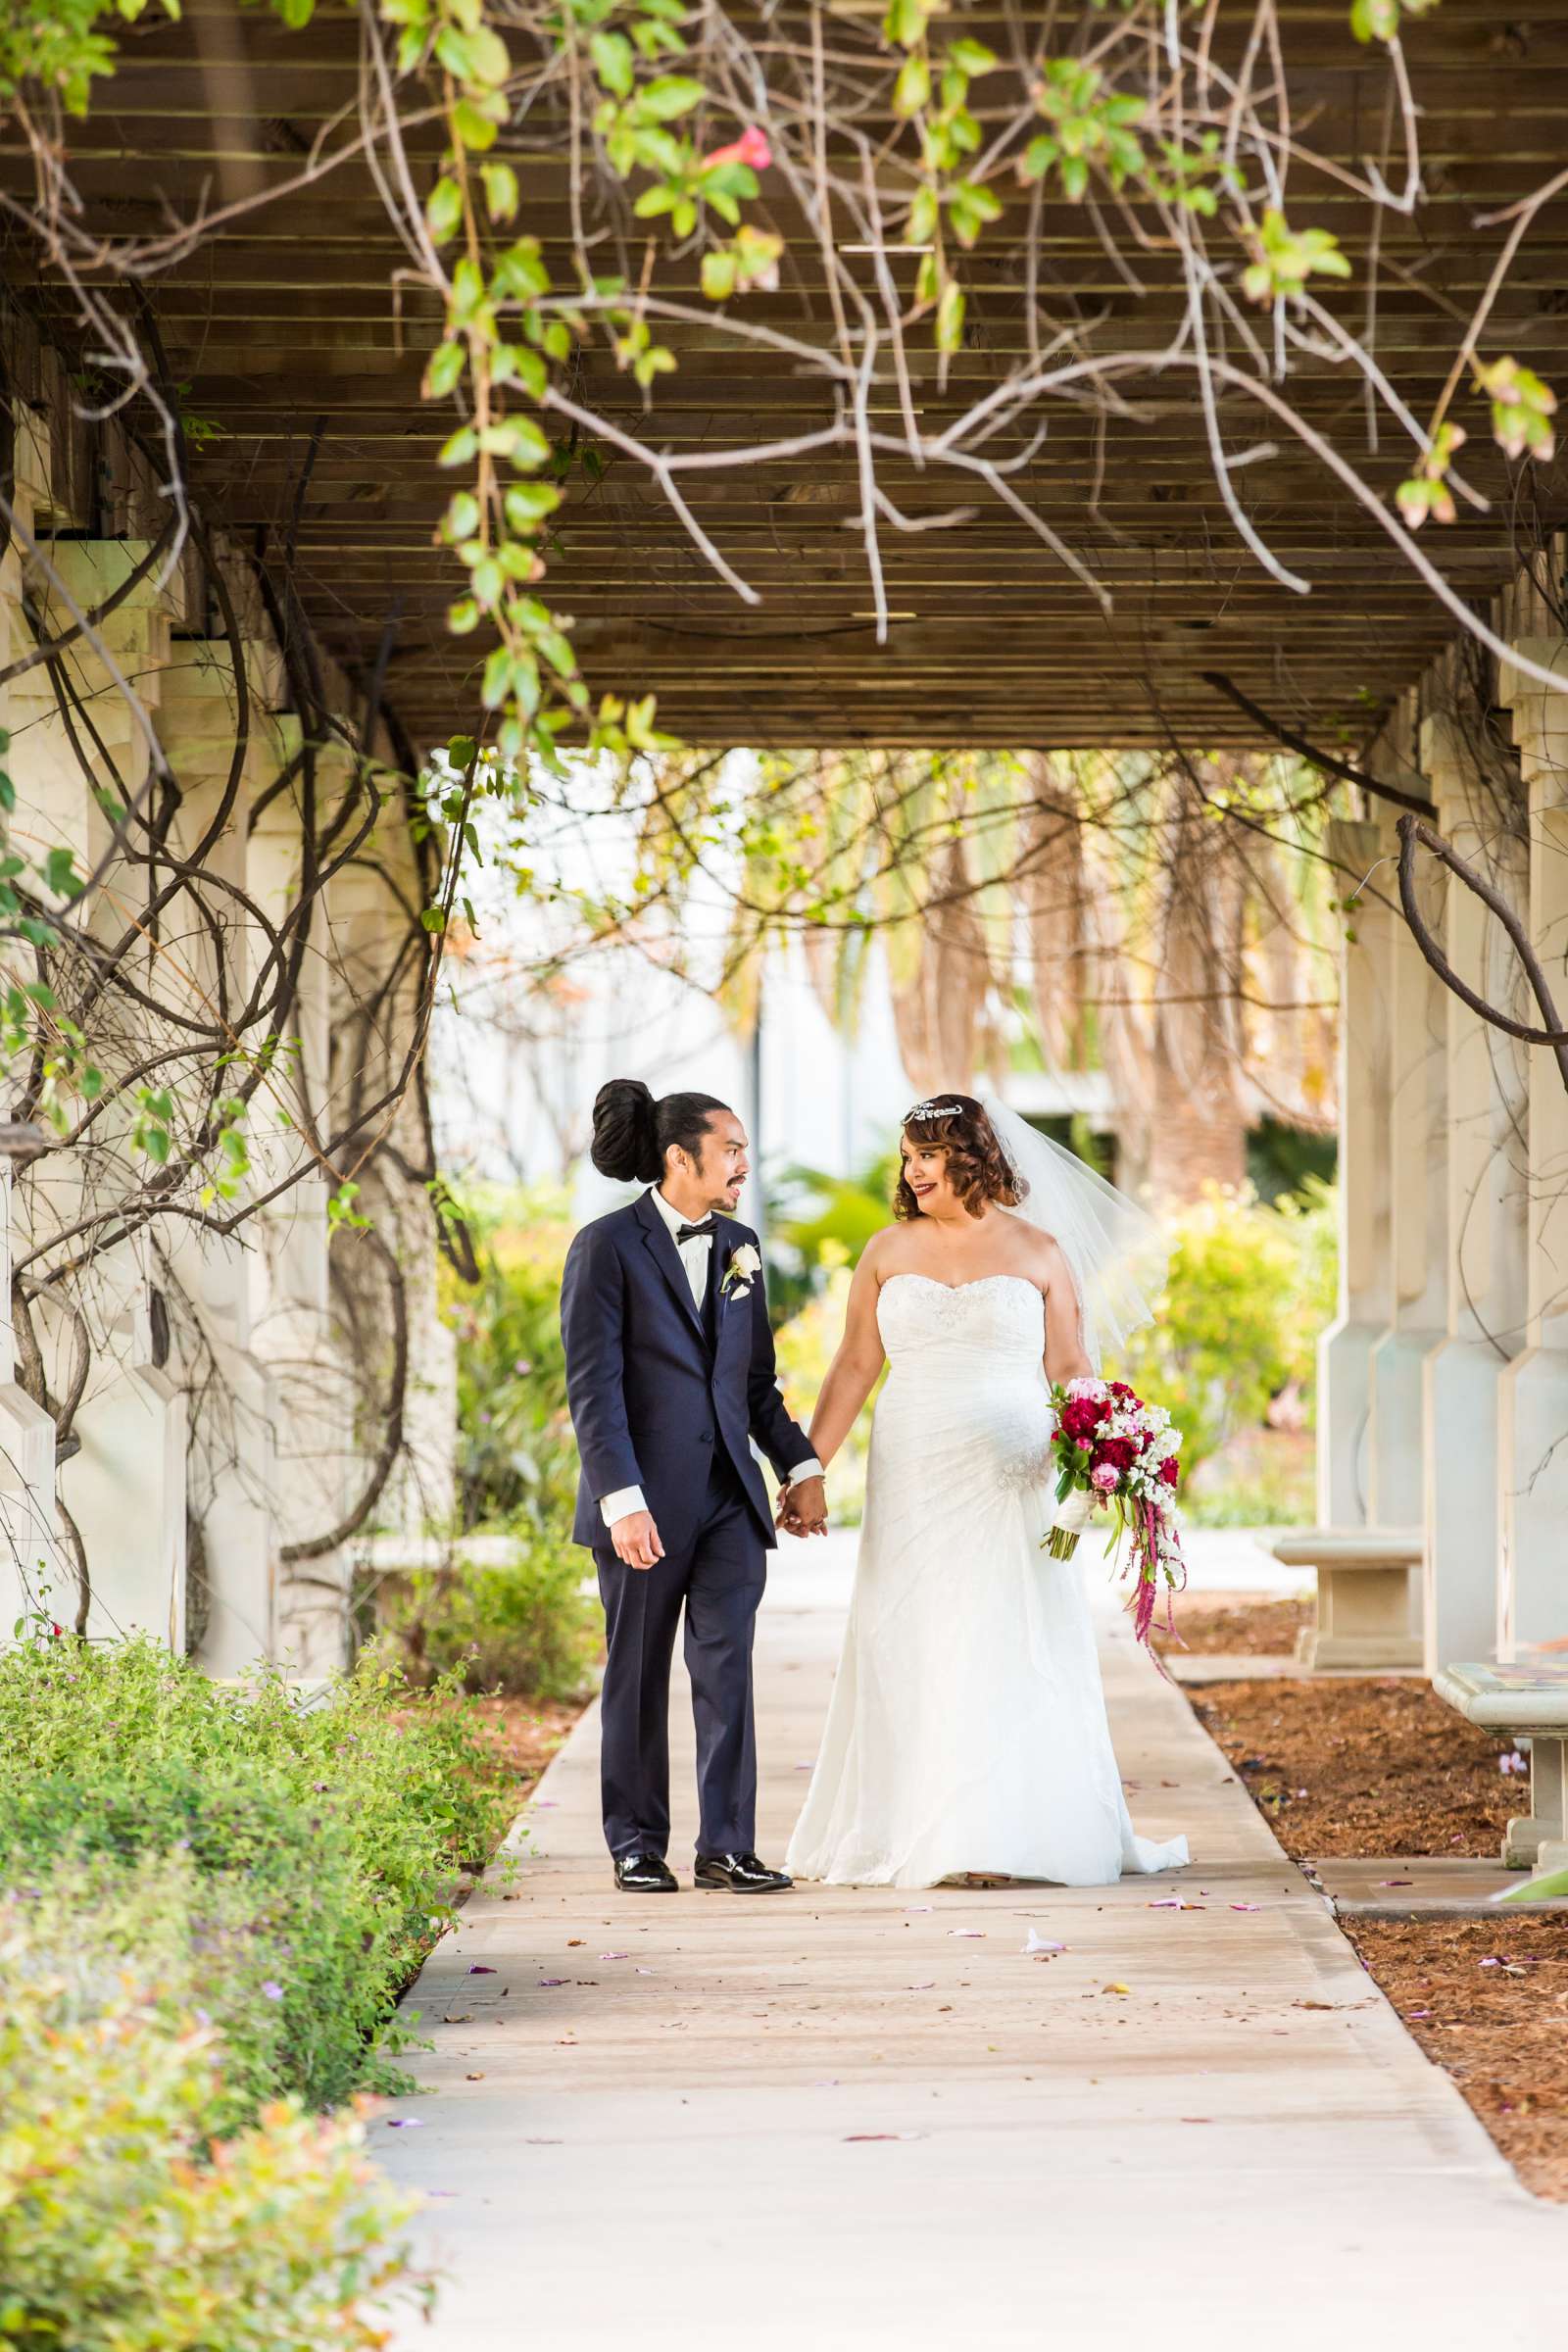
[{"x": 650, "y": 1400}]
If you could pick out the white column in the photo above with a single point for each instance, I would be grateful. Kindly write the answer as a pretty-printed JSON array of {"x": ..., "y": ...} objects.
[
  {"x": 1418, "y": 1177},
  {"x": 1484, "y": 1242},
  {"x": 1366, "y": 1274},
  {"x": 1533, "y": 1422},
  {"x": 126, "y": 1488},
  {"x": 36, "y": 1577}
]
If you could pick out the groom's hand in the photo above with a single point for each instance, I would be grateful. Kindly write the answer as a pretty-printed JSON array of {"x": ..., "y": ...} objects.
[
  {"x": 636, "y": 1539},
  {"x": 803, "y": 1506}
]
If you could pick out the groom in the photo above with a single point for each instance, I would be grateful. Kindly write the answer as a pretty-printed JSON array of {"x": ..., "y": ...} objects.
[{"x": 669, "y": 1374}]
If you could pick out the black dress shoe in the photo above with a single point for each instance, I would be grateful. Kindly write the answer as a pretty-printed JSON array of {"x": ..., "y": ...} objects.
[
  {"x": 644, "y": 1874},
  {"x": 742, "y": 1874}
]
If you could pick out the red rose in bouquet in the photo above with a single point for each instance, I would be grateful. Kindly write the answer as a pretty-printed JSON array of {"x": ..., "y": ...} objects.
[{"x": 1081, "y": 1417}]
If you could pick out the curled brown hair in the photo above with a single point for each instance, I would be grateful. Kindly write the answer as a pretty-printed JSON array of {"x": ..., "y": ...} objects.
[{"x": 976, "y": 1167}]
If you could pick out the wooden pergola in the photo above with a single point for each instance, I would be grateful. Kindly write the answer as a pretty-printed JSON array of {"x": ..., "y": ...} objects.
[{"x": 292, "y": 333}]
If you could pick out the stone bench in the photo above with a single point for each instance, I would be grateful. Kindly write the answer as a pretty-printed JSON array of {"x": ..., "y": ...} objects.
[
  {"x": 1528, "y": 1701},
  {"x": 1368, "y": 1595}
]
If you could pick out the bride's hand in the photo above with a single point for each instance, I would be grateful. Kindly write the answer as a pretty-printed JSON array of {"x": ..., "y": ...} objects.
[{"x": 802, "y": 1507}]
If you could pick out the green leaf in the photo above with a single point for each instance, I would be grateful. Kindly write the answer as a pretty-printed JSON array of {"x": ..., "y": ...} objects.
[
  {"x": 473, "y": 128},
  {"x": 718, "y": 275},
  {"x": 502, "y": 194},
  {"x": 556, "y": 651},
  {"x": 492, "y": 60},
  {"x": 670, "y": 96},
  {"x": 912, "y": 88},
  {"x": 1375, "y": 20},
  {"x": 905, "y": 23},
  {"x": 513, "y": 363},
  {"x": 60, "y": 874},
  {"x": 529, "y": 445},
  {"x": 462, "y": 518},
  {"x": 519, "y": 273},
  {"x": 444, "y": 369},
  {"x": 972, "y": 57},
  {"x": 444, "y": 210},
  {"x": 497, "y": 679},
  {"x": 528, "y": 504},
  {"x": 614, "y": 62}
]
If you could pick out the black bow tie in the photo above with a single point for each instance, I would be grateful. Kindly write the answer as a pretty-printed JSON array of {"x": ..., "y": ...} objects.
[{"x": 695, "y": 1233}]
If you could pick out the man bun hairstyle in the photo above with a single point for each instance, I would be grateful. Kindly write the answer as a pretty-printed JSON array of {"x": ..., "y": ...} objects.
[{"x": 632, "y": 1131}]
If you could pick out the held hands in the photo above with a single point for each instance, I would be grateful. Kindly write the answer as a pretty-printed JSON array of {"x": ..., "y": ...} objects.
[
  {"x": 636, "y": 1539},
  {"x": 802, "y": 1507}
]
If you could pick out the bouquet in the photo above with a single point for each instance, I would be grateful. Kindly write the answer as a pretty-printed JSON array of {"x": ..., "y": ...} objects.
[{"x": 1114, "y": 1453}]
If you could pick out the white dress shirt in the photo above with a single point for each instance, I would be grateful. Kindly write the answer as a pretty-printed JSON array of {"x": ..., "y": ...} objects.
[{"x": 694, "y": 1256}]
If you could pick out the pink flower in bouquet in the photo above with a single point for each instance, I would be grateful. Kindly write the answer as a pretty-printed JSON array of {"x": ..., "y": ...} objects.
[
  {"x": 1169, "y": 1471},
  {"x": 1103, "y": 1476},
  {"x": 751, "y": 147}
]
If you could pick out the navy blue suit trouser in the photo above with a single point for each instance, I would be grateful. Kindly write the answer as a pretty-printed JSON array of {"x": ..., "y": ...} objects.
[{"x": 718, "y": 1578}]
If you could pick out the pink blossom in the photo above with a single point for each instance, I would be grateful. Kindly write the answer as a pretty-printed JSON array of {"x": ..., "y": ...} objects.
[
  {"x": 1104, "y": 1477},
  {"x": 751, "y": 147}
]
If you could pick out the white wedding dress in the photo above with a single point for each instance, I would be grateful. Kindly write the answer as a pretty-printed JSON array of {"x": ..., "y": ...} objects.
[{"x": 968, "y": 1727}]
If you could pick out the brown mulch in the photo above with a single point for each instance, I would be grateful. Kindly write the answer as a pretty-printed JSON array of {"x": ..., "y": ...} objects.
[
  {"x": 1242, "y": 1628},
  {"x": 527, "y": 1731},
  {"x": 1363, "y": 1766},
  {"x": 1380, "y": 1766},
  {"x": 1500, "y": 2031}
]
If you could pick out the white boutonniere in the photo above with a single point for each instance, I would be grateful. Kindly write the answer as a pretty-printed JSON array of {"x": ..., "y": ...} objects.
[{"x": 740, "y": 1272}]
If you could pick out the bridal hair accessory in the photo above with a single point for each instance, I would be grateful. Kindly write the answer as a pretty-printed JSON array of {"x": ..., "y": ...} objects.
[
  {"x": 1117, "y": 1455},
  {"x": 1116, "y": 1251},
  {"x": 933, "y": 1110}
]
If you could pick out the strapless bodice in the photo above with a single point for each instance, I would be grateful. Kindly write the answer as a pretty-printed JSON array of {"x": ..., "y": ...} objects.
[{"x": 1001, "y": 1319}]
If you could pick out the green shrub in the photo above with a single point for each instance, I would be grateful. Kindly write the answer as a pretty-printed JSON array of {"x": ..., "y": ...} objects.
[
  {"x": 520, "y": 1625},
  {"x": 517, "y": 1457},
  {"x": 1248, "y": 1292},
  {"x": 523, "y": 1625},
  {"x": 125, "y": 2227},
  {"x": 323, "y": 1846}
]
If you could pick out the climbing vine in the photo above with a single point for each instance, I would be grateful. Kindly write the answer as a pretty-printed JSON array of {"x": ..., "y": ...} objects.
[{"x": 690, "y": 133}]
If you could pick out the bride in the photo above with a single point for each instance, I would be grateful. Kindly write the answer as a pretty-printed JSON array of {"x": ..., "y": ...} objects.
[{"x": 967, "y": 1729}]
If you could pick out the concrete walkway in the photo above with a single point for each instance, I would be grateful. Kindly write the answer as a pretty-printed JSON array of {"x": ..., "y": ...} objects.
[{"x": 865, "y": 2119}]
